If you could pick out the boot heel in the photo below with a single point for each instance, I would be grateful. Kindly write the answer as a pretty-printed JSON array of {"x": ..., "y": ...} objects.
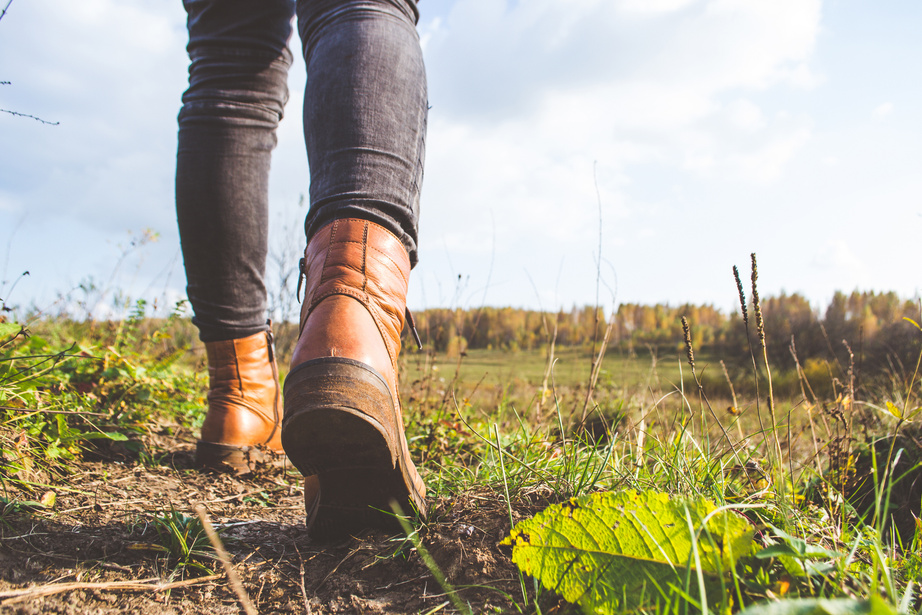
[{"x": 341, "y": 425}]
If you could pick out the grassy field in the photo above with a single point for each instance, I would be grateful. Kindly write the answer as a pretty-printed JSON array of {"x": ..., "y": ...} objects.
[
  {"x": 813, "y": 496},
  {"x": 571, "y": 368},
  {"x": 491, "y": 375},
  {"x": 492, "y": 383}
]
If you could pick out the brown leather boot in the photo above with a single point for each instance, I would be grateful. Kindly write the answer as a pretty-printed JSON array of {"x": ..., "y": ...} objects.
[
  {"x": 241, "y": 428},
  {"x": 342, "y": 414}
]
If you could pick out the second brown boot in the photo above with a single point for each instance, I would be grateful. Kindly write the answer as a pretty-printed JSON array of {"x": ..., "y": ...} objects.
[{"x": 242, "y": 426}]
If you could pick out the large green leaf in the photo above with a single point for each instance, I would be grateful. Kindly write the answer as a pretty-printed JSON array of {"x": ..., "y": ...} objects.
[
  {"x": 606, "y": 551},
  {"x": 818, "y": 606}
]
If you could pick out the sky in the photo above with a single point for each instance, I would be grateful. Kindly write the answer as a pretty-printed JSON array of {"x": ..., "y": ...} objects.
[{"x": 619, "y": 151}]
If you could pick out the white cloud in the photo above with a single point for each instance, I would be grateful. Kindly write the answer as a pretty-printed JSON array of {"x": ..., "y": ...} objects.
[
  {"x": 837, "y": 255},
  {"x": 882, "y": 110},
  {"x": 493, "y": 59},
  {"x": 529, "y": 97},
  {"x": 115, "y": 91},
  {"x": 766, "y": 160},
  {"x": 678, "y": 111},
  {"x": 745, "y": 115},
  {"x": 591, "y": 78},
  {"x": 9, "y": 203},
  {"x": 654, "y": 6}
]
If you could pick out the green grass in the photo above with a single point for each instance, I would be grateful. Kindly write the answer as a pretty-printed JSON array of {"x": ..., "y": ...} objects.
[
  {"x": 68, "y": 387},
  {"x": 184, "y": 542},
  {"x": 571, "y": 368},
  {"x": 480, "y": 424},
  {"x": 473, "y": 422}
]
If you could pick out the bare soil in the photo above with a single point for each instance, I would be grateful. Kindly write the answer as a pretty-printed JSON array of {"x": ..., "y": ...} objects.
[{"x": 97, "y": 549}]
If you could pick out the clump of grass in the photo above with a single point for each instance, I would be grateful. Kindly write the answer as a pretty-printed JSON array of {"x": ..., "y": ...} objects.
[
  {"x": 59, "y": 400},
  {"x": 185, "y": 543}
]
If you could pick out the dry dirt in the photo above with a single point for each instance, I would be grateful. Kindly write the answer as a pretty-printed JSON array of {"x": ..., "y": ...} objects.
[{"x": 95, "y": 550}]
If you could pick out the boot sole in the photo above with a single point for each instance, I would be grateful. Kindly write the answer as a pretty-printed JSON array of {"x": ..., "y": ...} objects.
[{"x": 330, "y": 431}]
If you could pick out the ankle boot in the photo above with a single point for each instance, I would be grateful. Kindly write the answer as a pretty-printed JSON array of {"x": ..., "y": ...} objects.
[
  {"x": 242, "y": 426},
  {"x": 342, "y": 413}
]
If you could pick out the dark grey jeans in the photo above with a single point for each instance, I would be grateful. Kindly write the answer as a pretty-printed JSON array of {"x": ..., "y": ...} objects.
[{"x": 365, "y": 111}]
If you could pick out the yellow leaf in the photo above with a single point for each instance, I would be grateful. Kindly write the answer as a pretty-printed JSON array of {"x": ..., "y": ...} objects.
[
  {"x": 892, "y": 409},
  {"x": 784, "y": 585},
  {"x": 48, "y": 499}
]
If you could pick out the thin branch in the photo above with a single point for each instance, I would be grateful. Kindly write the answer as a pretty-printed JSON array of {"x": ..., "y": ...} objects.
[
  {"x": 43, "y": 411},
  {"x": 336, "y": 567},
  {"x": 22, "y": 595},
  {"x": 307, "y": 602},
  {"x": 37, "y": 119},
  {"x": 247, "y": 494},
  {"x": 5, "y": 8},
  {"x": 232, "y": 577}
]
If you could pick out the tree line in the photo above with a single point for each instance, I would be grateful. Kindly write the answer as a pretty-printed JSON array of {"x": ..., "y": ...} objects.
[{"x": 861, "y": 328}]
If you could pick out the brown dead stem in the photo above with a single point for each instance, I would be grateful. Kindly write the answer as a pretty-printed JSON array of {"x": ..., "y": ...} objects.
[{"x": 17, "y": 596}]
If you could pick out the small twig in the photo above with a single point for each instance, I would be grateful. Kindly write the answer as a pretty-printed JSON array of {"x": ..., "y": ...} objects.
[
  {"x": 153, "y": 584},
  {"x": 596, "y": 359},
  {"x": 54, "y": 487},
  {"x": 307, "y": 602},
  {"x": 50, "y": 356},
  {"x": 408, "y": 581},
  {"x": 336, "y": 567},
  {"x": 37, "y": 119},
  {"x": 232, "y": 577},
  {"x": 102, "y": 504},
  {"x": 438, "y": 608},
  {"x": 43, "y": 411},
  {"x": 29, "y": 535},
  {"x": 240, "y": 496}
]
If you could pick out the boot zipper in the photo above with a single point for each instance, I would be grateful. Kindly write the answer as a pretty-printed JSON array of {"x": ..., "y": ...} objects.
[
  {"x": 301, "y": 277},
  {"x": 270, "y": 340},
  {"x": 412, "y": 323}
]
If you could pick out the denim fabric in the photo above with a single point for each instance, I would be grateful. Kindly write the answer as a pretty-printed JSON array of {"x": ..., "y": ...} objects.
[{"x": 365, "y": 112}]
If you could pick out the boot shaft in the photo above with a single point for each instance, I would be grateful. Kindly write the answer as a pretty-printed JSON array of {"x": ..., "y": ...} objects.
[
  {"x": 244, "y": 403},
  {"x": 362, "y": 260},
  {"x": 242, "y": 366}
]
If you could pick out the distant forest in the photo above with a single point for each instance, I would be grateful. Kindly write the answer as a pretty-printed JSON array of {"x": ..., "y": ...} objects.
[{"x": 866, "y": 327}]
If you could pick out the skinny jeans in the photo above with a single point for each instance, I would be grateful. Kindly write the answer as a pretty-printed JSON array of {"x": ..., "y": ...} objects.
[{"x": 365, "y": 111}]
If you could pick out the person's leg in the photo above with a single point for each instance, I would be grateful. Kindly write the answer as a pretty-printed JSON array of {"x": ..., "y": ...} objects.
[
  {"x": 365, "y": 119},
  {"x": 238, "y": 72},
  {"x": 238, "y": 87},
  {"x": 365, "y": 110}
]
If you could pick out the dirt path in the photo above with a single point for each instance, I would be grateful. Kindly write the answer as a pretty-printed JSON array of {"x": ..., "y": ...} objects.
[{"x": 100, "y": 543}]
